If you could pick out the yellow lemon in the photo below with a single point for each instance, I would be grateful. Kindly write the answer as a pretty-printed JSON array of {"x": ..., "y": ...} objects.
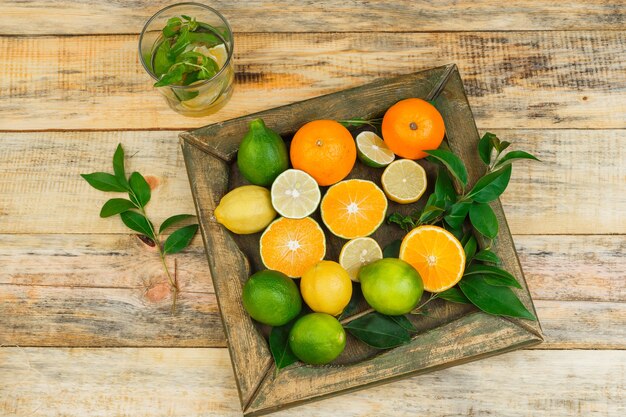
[
  {"x": 244, "y": 210},
  {"x": 326, "y": 288}
]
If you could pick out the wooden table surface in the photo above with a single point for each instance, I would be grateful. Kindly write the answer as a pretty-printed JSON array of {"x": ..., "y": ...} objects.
[{"x": 85, "y": 326}]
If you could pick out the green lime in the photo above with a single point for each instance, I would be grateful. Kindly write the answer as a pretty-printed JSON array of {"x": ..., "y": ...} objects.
[
  {"x": 317, "y": 338},
  {"x": 372, "y": 151},
  {"x": 391, "y": 286},
  {"x": 262, "y": 155},
  {"x": 271, "y": 297}
]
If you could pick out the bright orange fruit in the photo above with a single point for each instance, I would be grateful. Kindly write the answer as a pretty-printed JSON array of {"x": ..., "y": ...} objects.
[
  {"x": 436, "y": 254},
  {"x": 353, "y": 208},
  {"x": 323, "y": 149},
  {"x": 412, "y": 126},
  {"x": 292, "y": 246}
]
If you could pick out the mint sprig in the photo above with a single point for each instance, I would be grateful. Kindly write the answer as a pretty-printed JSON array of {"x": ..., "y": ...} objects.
[{"x": 133, "y": 214}]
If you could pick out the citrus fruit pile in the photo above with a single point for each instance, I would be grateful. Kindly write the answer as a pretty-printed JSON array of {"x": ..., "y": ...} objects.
[{"x": 322, "y": 153}]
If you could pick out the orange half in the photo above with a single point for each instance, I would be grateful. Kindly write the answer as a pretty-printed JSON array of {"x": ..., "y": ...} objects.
[
  {"x": 436, "y": 254},
  {"x": 353, "y": 208},
  {"x": 292, "y": 246}
]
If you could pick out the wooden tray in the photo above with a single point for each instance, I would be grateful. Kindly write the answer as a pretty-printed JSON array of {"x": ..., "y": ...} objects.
[{"x": 451, "y": 334}]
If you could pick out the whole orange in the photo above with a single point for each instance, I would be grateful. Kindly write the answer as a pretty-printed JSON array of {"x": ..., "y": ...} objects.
[
  {"x": 323, "y": 149},
  {"x": 411, "y": 127}
]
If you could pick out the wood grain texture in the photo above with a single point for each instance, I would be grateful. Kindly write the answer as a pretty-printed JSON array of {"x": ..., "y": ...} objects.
[
  {"x": 85, "y": 17},
  {"x": 199, "y": 382},
  {"x": 66, "y": 290},
  {"x": 40, "y": 171},
  {"x": 514, "y": 79}
]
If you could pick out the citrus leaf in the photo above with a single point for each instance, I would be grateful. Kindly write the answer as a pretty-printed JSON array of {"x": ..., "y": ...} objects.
[
  {"x": 486, "y": 255},
  {"x": 406, "y": 223},
  {"x": 378, "y": 331},
  {"x": 489, "y": 187},
  {"x": 457, "y": 214},
  {"x": 484, "y": 220},
  {"x": 457, "y": 232},
  {"x": 103, "y": 181},
  {"x": 512, "y": 156},
  {"x": 452, "y": 162},
  {"x": 444, "y": 190},
  {"x": 503, "y": 145},
  {"x": 353, "y": 304},
  {"x": 455, "y": 295},
  {"x": 116, "y": 206},
  {"x": 404, "y": 322},
  {"x": 140, "y": 189},
  {"x": 180, "y": 239},
  {"x": 488, "y": 270},
  {"x": 118, "y": 166},
  {"x": 500, "y": 301},
  {"x": 470, "y": 249},
  {"x": 279, "y": 346},
  {"x": 171, "y": 221},
  {"x": 485, "y": 146},
  {"x": 392, "y": 250},
  {"x": 138, "y": 223}
]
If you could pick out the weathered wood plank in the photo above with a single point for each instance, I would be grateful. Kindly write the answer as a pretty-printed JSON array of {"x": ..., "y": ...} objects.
[
  {"x": 514, "y": 79},
  {"x": 85, "y": 17},
  {"x": 199, "y": 382},
  {"x": 39, "y": 176}
]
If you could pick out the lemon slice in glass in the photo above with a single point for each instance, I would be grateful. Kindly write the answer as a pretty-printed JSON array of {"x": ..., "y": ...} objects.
[
  {"x": 404, "y": 181},
  {"x": 357, "y": 253},
  {"x": 295, "y": 194},
  {"x": 372, "y": 150}
]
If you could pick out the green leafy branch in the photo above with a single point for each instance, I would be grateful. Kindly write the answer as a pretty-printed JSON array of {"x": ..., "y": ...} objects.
[
  {"x": 484, "y": 284},
  {"x": 133, "y": 214}
]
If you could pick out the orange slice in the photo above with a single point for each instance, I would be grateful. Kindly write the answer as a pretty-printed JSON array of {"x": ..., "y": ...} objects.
[
  {"x": 353, "y": 208},
  {"x": 292, "y": 246},
  {"x": 436, "y": 254}
]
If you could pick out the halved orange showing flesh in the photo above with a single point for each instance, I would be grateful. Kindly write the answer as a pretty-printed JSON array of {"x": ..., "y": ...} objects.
[
  {"x": 436, "y": 254},
  {"x": 353, "y": 208},
  {"x": 292, "y": 246}
]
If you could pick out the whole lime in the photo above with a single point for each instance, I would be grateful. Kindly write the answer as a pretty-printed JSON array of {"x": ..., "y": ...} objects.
[
  {"x": 391, "y": 286},
  {"x": 317, "y": 338},
  {"x": 271, "y": 297},
  {"x": 262, "y": 154}
]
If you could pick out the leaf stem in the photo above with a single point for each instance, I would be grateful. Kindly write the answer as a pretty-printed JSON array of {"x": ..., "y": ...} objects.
[
  {"x": 356, "y": 316},
  {"x": 417, "y": 309}
]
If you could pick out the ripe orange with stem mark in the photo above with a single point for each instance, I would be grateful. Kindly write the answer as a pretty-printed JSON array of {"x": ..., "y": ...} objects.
[
  {"x": 412, "y": 126},
  {"x": 323, "y": 149}
]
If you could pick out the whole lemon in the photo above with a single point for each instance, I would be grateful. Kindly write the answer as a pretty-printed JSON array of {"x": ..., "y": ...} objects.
[
  {"x": 391, "y": 286},
  {"x": 326, "y": 287},
  {"x": 244, "y": 210}
]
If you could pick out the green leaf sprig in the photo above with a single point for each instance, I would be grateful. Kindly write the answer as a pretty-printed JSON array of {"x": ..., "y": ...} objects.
[
  {"x": 133, "y": 214},
  {"x": 176, "y": 66},
  {"x": 484, "y": 283}
]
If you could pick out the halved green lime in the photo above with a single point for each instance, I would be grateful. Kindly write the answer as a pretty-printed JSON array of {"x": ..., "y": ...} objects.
[{"x": 372, "y": 151}]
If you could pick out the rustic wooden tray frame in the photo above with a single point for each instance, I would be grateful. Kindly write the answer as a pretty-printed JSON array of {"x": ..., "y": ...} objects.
[{"x": 208, "y": 153}]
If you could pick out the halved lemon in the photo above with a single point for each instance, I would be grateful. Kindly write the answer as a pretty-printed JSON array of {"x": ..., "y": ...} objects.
[
  {"x": 357, "y": 253},
  {"x": 436, "y": 254},
  {"x": 372, "y": 151},
  {"x": 404, "y": 181},
  {"x": 295, "y": 194}
]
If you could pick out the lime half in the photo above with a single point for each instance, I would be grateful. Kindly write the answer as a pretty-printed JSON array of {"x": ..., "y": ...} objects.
[
  {"x": 357, "y": 253},
  {"x": 372, "y": 151},
  {"x": 295, "y": 194},
  {"x": 404, "y": 181}
]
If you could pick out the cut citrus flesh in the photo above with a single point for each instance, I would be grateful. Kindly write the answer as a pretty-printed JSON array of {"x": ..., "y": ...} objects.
[
  {"x": 357, "y": 253},
  {"x": 372, "y": 151},
  {"x": 436, "y": 254},
  {"x": 292, "y": 246},
  {"x": 353, "y": 208},
  {"x": 404, "y": 181},
  {"x": 295, "y": 194}
]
